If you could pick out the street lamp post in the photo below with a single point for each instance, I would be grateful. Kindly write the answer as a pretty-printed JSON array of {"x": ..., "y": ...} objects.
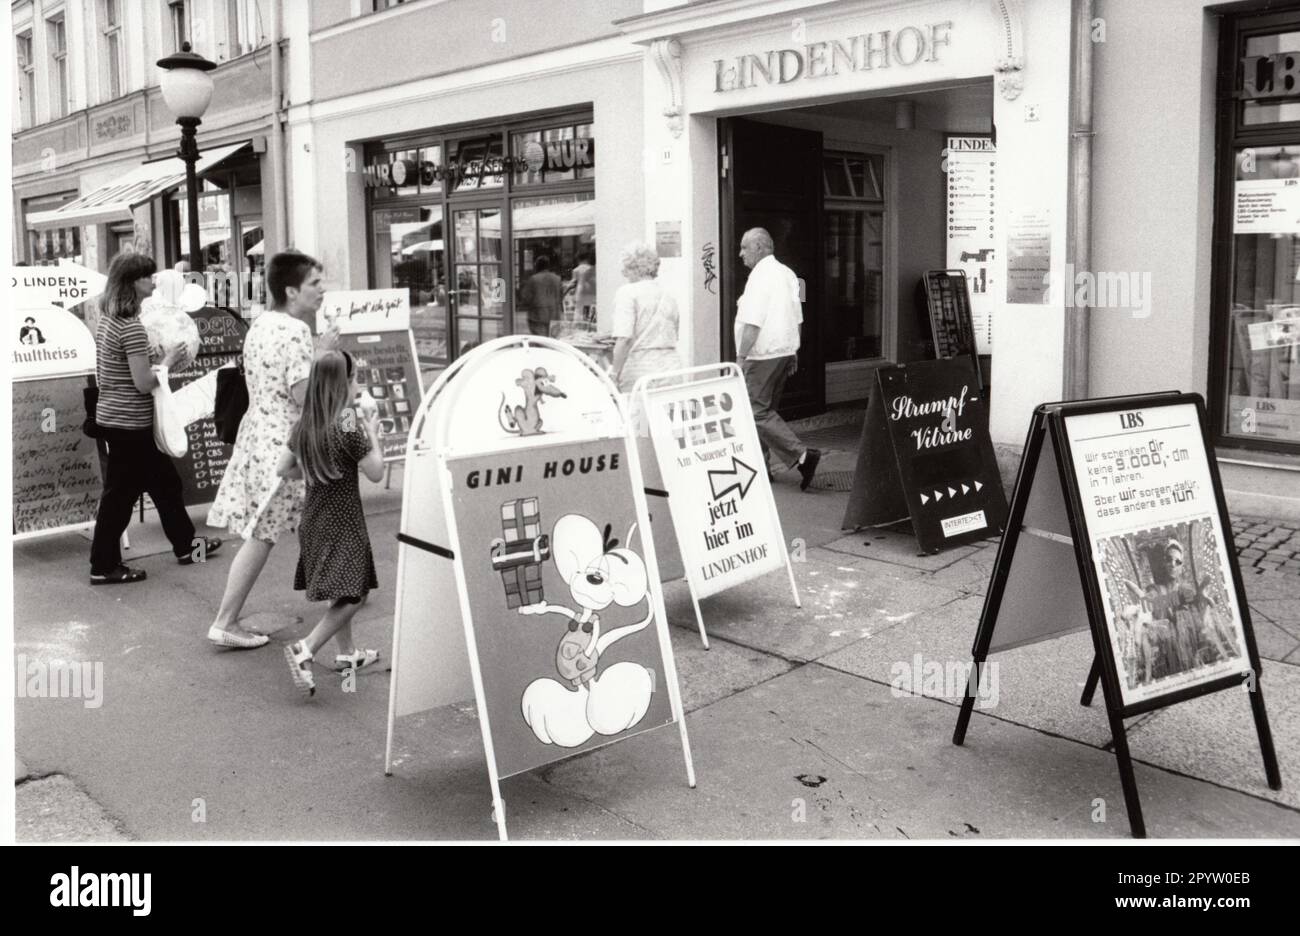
[{"x": 187, "y": 90}]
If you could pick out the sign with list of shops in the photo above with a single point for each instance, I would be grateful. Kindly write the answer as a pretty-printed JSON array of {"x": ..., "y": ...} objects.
[
  {"x": 971, "y": 172},
  {"x": 1128, "y": 487},
  {"x": 387, "y": 369},
  {"x": 926, "y": 454}
]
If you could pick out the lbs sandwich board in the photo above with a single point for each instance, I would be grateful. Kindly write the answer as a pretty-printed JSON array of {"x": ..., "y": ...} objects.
[
  {"x": 1130, "y": 487},
  {"x": 926, "y": 454},
  {"x": 525, "y": 501},
  {"x": 714, "y": 478}
]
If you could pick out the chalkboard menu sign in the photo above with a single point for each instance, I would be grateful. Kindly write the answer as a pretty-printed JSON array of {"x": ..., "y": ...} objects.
[
  {"x": 943, "y": 473},
  {"x": 388, "y": 371},
  {"x": 221, "y": 335},
  {"x": 951, "y": 318},
  {"x": 56, "y": 468}
]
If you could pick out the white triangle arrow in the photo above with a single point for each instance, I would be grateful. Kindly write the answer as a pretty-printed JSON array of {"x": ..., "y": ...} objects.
[
  {"x": 951, "y": 492},
  {"x": 924, "y": 499},
  {"x": 978, "y": 485},
  {"x": 965, "y": 489},
  {"x": 938, "y": 495}
]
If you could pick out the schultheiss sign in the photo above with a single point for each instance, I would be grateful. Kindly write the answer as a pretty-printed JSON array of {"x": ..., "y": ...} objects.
[{"x": 863, "y": 52}]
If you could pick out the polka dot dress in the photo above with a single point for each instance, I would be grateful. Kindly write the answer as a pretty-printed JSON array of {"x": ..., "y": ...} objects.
[{"x": 335, "y": 560}]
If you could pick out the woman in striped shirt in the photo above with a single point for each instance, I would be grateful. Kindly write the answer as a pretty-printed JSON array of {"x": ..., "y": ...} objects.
[{"x": 124, "y": 415}]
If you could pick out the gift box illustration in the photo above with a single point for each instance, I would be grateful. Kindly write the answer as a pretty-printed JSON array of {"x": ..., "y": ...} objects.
[{"x": 519, "y": 553}]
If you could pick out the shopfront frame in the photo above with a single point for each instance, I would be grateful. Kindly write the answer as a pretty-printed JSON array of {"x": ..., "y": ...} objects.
[{"x": 449, "y": 201}]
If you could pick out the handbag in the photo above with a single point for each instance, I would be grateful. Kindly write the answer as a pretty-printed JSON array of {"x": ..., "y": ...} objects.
[
  {"x": 168, "y": 427},
  {"x": 231, "y": 399},
  {"x": 90, "y": 399}
]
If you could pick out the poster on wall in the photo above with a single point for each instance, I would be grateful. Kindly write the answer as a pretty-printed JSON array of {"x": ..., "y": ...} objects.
[
  {"x": 1160, "y": 551},
  {"x": 971, "y": 171},
  {"x": 1266, "y": 206},
  {"x": 1029, "y": 257},
  {"x": 563, "y": 617}
]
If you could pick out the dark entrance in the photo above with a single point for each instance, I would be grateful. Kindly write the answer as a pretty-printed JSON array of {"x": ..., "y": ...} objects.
[{"x": 771, "y": 178}]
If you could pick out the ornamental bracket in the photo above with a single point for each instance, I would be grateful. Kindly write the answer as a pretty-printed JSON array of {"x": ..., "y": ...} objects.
[
  {"x": 1009, "y": 58},
  {"x": 667, "y": 54}
]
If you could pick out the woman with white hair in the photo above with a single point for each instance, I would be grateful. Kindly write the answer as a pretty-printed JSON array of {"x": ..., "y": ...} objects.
[{"x": 645, "y": 320}]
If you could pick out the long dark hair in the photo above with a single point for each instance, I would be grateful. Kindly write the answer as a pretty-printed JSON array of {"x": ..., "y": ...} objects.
[
  {"x": 120, "y": 299},
  {"x": 328, "y": 395}
]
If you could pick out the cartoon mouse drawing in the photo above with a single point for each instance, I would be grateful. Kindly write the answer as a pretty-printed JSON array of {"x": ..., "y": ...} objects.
[
  {"x": 527, "y": 419},
  {"x": 589, "y": 698}
]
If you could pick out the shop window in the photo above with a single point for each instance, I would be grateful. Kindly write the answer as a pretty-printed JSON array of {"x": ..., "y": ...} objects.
[
  {"x": 47, "y": 248},
  {"x": 409, "y": 251},
  {"x": 557, "y": 154},
  {"x": 411, "y": 171},
  {"x": 853, "y": 175},
  {"x": 26, "y": 80},
  {"x": 554, "y": 264},
  {"x": 1255, "y": 365},
  {"x": 252, "y": 245}
]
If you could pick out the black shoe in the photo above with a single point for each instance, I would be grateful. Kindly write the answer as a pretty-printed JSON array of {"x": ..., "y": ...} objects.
[
  {"x": 210, "y": 546},
  {"x": 122, "y": 575},
  {"x": 808, "y": 467}
]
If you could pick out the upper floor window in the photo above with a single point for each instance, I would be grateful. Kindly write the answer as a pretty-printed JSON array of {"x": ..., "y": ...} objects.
[
  {"x": 177, "y": 23},
  {"x": 387, "y": 4},
  {"x": 111, "y": 46},
  {"x": 57, "y": 41},
  {"x": 246, "y": 26},
  {"x": 26, "y": 79}
]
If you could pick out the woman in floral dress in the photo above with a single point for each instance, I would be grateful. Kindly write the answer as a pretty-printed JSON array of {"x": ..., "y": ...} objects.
[{"x": 278, "y": 352}]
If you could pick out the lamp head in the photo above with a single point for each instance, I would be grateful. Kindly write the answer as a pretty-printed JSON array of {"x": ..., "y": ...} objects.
[{"x": 186, "y": 84}]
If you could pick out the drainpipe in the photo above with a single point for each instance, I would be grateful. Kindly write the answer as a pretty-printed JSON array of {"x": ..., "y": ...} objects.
[
  {"x": 275, "y": 148},
  {"x": 1078, "y": 243}
]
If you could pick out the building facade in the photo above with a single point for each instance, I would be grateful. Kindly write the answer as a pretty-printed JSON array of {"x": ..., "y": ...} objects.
[{"x": 94, "y": 146}]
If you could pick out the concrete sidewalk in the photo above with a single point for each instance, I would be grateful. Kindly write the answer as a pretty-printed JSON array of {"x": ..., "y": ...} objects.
[{"x": 795, "y": 729}]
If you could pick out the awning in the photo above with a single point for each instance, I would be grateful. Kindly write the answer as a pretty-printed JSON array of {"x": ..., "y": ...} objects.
[{"x": 114, "y": 201}]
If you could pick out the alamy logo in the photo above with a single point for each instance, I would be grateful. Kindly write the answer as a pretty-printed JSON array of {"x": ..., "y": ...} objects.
[
  {"x": 59, "y": 679},
  {"x": 951, "y": 679},
  {"x": 102, "y": 890}
]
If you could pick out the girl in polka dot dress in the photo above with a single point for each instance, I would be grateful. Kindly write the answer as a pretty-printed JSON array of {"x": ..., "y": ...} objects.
[{"x": 327, "y": 446}]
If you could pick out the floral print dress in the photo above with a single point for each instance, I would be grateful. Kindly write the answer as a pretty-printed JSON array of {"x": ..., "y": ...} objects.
[{"x": 277, "y": 354}]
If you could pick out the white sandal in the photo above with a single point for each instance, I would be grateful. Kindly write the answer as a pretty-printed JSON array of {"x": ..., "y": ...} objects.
[
  {"x": 299, "y": 658},
  {"x": 356, "y": 660}
]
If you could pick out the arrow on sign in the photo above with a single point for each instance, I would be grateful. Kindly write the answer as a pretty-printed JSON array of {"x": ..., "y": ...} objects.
[
  {"x": 951, "y": 492},
  {"x": 965, "y": 489},
  {"x": 924, "y": 499},
  {"x": 978, "y": 485},
  {"x": 938, "y": 495},
  {"x": 68, "y": 283},
  {"x": 722, "y": 481}
]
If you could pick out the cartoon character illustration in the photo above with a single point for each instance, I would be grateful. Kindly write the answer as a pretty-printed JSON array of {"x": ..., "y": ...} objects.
[
  {"x": 527, "y": 419},
  {"x": 588, "y": 698}
]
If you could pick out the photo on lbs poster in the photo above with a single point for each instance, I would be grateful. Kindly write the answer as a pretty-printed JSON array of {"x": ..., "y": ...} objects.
[
  {"x": 559, "y": 593},
  {"x": 1159, "y": 548}
]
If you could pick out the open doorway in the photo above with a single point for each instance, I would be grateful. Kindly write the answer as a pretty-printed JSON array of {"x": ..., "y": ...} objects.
[{"x": 855, "y": 194}]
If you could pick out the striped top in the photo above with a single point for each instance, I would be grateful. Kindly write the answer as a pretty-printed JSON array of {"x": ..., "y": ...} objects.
[{"x": 121, "y": 405}]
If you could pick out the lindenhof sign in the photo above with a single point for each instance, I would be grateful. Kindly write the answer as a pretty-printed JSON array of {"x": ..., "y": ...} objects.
[{"x": 863, "y": 52}]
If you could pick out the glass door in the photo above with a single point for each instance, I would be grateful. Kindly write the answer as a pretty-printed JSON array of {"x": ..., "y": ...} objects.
[
  {"x": 855, "y": 271},
  {"x": 479, "y": 296}
]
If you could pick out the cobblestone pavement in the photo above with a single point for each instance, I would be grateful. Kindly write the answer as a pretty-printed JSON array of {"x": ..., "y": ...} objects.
[
  {"x": 1263, "y": 545},
  {"x": 1267, "y": 545}
]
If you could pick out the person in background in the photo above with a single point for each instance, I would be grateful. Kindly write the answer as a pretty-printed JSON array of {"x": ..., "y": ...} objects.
[
  {"x": 335, "y": 563},
  {"x": 124, "y": 414},
  {"x": 542, "y": 296},
  {"x": 645, "y": 320},
  {"x": 767, "y": 348},
  {"x": 584, "y": 286},
  {"x": 278, "y": 353}
]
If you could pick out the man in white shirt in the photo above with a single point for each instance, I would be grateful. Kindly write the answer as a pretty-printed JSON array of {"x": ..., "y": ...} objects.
[{"x": 767, "y": 345}]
